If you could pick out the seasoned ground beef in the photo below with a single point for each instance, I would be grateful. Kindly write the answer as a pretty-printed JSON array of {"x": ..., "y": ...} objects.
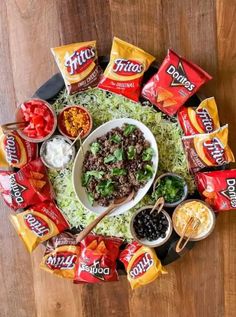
[{"x": 117, "y": 163}]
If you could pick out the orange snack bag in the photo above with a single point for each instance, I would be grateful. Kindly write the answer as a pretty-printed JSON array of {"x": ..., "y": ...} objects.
[
  {"x": 141, "y": 264},
  {"x": 38, "y": 224},
  {"x": 207, "y": 150},
  {"x": 203, "y": 119},
  {"x": 125, "y": 70},
  {"x": 15, "y": 151},
  {"x": 78, "y": 65},
  {"x": 61, "y": 255}
]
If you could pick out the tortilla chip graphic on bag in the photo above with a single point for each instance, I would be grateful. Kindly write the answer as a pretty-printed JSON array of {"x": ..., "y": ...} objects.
[
  {"x": 125, "y": 70},
  {"x": 169, "y": 103},
  {"x": 141, "y": 263},
  {"x": 101, "y": 248},
  {"x": 207, "y": 150},
  {"x": 38, "y": 223},
  {"x": 176, "y": 76},
  {"x": 163, "y": 94},
  {"x": 93, "y": 245},
  {"x": 36, "y": 175},
  {"x": 203, "y": 119},
  {"x": 36, "y": 183}
]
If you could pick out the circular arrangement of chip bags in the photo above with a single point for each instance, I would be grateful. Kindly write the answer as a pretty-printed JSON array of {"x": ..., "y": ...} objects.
[{"x": 145, "y": 120}]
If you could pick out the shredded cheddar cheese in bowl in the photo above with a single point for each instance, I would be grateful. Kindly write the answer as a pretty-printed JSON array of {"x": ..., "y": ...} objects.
[
  {"x": 75, "y": 120},
  {"x": 199, "y": 210}
]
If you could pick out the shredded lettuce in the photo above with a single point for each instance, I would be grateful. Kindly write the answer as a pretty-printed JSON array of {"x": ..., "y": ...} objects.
[{"x": 103, "y": 107}]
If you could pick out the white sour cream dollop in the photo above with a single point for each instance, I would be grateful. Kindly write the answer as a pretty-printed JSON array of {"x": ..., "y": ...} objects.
[{"x": 57, "y": 152}]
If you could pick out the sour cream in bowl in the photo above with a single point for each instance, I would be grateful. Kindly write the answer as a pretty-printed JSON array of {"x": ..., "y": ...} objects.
[{"x": 57, "y": 153}]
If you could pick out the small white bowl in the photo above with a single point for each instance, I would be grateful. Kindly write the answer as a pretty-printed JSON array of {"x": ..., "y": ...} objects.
[
  {"x": 155, "y": 243},
  {"x": 185, "y": 194},
  {"x": 43, "y": 149}
]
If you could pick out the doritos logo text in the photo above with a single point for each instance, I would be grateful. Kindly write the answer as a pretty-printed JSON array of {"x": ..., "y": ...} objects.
[{"x": 179, "y": 77}]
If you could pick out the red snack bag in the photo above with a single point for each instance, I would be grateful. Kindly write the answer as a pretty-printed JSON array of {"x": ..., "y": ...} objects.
[
  {"x": 208, "y": 150},
  {"x": 218, "y": 188},
  {"x": 61, "y": 255},
  {"x": 125, "y": 70},
  {"x": 78, "y": 65},
  {"x": 203, "y": 119},
  {"x": 30, "y": 185},
  {"x": 141, "y": 264},
  {"x": 176, "y": 80},
  {"x": 97, "y": 261},
  {"x": 15, "y": 151},
  {"x": 38, "y": 224}
]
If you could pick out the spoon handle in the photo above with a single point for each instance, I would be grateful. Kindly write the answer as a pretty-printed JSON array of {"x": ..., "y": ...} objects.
[
  {"x": 159, "y": 203},
  {"x": 13, "y": 126},
  {"x": 93, "y": 224},
  {"x": 182, "y": 241}
]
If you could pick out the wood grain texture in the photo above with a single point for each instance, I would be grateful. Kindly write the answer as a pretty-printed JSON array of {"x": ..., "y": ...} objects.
[{"x": 203, "y": 283}]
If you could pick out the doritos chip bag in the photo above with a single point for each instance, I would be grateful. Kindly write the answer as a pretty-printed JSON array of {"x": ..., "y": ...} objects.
[
  {"x": 97, "y": 261},
  {"x": 141, "y": 264},
  {"x": 203, "y": 119},
  {"x": 218, "y": 188},
  {"x": 207, "y": 150},
  {"x": 15, "y": 151},
  {"x": 38, "y": 224},
  {"x": 125, "y": 70},
  {"x": 78, "y": 65},
  {"x": 30, "y": 185},
  {"x": 176, "y": 80},
  {"x": 61, "y": 255}
]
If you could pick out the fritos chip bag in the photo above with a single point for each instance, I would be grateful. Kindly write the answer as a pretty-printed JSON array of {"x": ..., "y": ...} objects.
[
  {"x": 97, "y": 261},
  {"x": 218, "y": 188},
  {"x": 38, "y": 224},
  {"x": 141, "y": 264},
  {"x": 78, "y": 65},
  {"x": 61, "y": 255},
  {"x": 207, "y": 150},
  {"x": 125, "y": 70},
  {"x": 203, "y": 119},
  {"x": 30, "y": 185},
  {"x": 176, "y": 80},
  {"x": 15, "y": 151}
]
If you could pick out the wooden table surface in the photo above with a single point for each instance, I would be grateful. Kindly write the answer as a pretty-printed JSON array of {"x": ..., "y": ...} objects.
[{"x": 203, "y": 283}]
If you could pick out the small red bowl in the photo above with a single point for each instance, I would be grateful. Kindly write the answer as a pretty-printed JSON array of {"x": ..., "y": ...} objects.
[
  {"x": 61, "y": 120},
  {"x": 47, "y": 110}
]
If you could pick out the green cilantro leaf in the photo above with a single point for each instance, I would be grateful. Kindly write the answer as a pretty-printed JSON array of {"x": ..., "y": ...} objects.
[
  {"x": 115, "y": 138},
  {"x": 147, "y": 154},
  {"x": 95, "y": 148},
  {"x": 105, "y": 188},
  {"x": 131, "y": 152},
  {"x": 129, "y": 128},
  {"x": 118, "y": 171}
]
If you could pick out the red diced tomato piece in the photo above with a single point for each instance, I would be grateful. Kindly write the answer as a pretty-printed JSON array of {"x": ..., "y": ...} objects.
[
  {"x": 48, "y": 117},
  {"x": 48, "y": 127},
  {"x": 30, "y": 133},
  {"x": 26, "y": 116},
  {"x": 38, "y": 121},
  {"x": 40, "y": 111},
  {"x": 36, "y": 103}
]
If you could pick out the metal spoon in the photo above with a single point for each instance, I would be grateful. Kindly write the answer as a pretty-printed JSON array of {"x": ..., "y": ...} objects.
[{"x": 116, "y": 203}]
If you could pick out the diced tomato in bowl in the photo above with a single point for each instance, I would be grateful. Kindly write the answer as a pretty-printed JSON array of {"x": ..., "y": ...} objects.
[{"x": 40, "y": 118}]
